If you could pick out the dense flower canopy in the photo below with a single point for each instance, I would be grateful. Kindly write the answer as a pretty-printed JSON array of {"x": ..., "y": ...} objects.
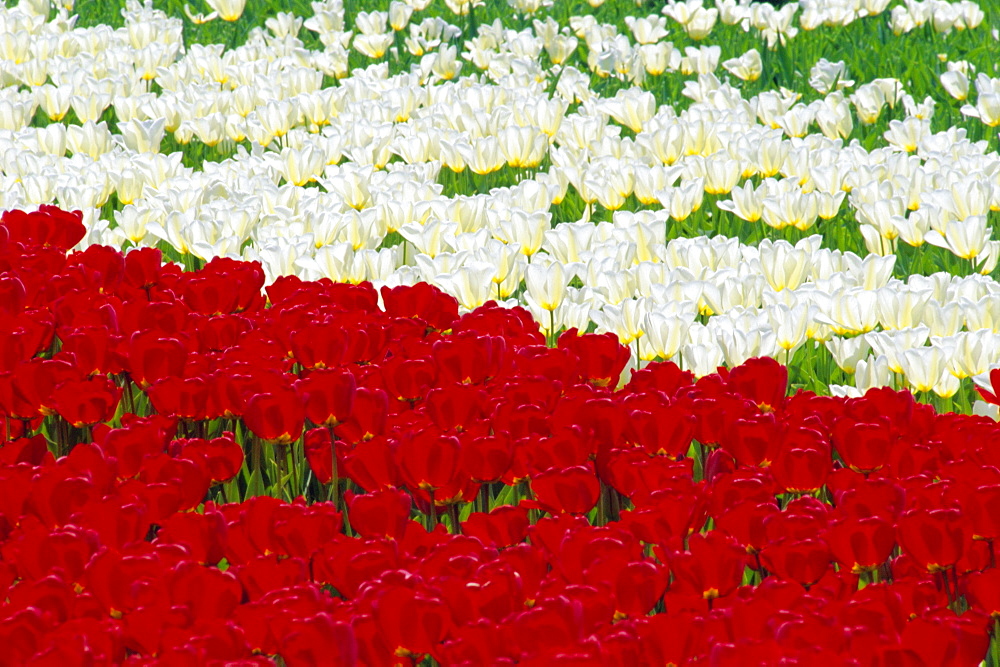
[{"x": 468, "y": 332}]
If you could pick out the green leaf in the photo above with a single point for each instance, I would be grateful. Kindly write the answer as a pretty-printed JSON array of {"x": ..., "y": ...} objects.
[{"x": 255, "y": 487}]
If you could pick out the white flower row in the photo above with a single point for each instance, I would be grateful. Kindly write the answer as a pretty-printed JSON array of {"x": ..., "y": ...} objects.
[{"x": 376, "y": 147}]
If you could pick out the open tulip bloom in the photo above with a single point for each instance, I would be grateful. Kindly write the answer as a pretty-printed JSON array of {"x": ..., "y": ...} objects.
[{"x": 490, "y": 333}]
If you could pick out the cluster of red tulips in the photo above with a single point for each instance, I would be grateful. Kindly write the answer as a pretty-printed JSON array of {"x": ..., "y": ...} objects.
[{"x": 194, "y": 473}]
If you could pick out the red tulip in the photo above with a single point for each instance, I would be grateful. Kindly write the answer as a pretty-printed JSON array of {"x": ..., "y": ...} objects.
[
  {"x": 92, "y": 350},
  {"x": 202, "y": 535},
  {"x": 142, "y": 267},
  {"x": 469, "y": 358},
  {"x": 861, "y": 544},
  {"x": 319, "y": 640},
  {"x": 983, "y": 508},
  {"x": 803, "y": 462},
  {"x": 87, "y": 402},
  {"x": 712, "y": 566},
  {"x": 573, "y": 490},
  {"x": 427, "y": 460},
  {"x": 383, "y": 513},
  {"x": 48, "y": 226},
  {"x": 412, "y": 623},
  {"x": 982, "y": 590},
  {"x": 487, "y": 458},
  {"x": 863, "y": 446},
  {"x": 182, "y": 398},
  {"x": 667, "y": 430},
  {"x": 328, "y": 396},
  {"x": 935, "y": 539},
  {"x": 277, "y": 416},
  {"x": 408, "y": 379},
  {"x": 220, "y": 457},
  {"x": 368, "y": 417},
  {"x": 153, "y": 357},
  {"x": 504, "y": 526},
  {"x": 801, "y": 561},
  {"x": 638, "y": 587},
  {"x": 421, "y": 301},
  {"x": 763, "y": 380},
  {"x": 600, "y": 358}
]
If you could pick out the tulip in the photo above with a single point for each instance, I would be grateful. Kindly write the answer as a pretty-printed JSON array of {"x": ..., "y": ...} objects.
[
  {"x": 747, "y": 67},
  {"x": 228, "y": 10},
  {"x": 861, "y": 544},
  {"x": 802, "y": 561},
  {"x": 573, "y": 490},
  {"x": 988, "y": 386},
  {"x": 711, "y": 568},
  {"x": 936, "y": 539},
  {"x": 276, "y": 416}
]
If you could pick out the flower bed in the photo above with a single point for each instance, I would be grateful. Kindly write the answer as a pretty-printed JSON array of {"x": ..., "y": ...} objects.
[{"x": 193, "y": 472}]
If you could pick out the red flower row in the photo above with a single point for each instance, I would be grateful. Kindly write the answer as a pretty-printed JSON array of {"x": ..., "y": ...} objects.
[{"x": 669, "y": 521}]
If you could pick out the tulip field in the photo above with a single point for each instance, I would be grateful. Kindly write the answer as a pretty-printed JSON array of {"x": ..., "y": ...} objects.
[{"x": 494, "y": 332}]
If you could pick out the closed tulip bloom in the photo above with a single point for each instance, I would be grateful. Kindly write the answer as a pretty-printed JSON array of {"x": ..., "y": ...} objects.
[
  {"x": 721, "y": 175},
  {"x": 483, "y": 156},
  {"x": 277, "y": 416},
  {"x": 872, "y": 372},
  {"x": 701, "y": 23},
  {"x": 665, "y": 334},
  {"x": 399, "y": 15},
  {"x": 631, "y": 107},
  {"x": 901, "y": 309},
  {"x": 680, "y": 202},
  {"x": 924, "y": 367},
  {"x": 861, "y": 544},
  {"x": 783, "y": 265},
  {"x": 791, "y": 325},
  {"x": 659, "y": 58},
  {"x": 868, "y": 101},
  {"x": 702, "y": 358},
  {"x": 913, "y": 228},
  {"x": 935, "y": 539},
  {"x": 523, "y": 147},
  {"x": 546, "y": 284}
]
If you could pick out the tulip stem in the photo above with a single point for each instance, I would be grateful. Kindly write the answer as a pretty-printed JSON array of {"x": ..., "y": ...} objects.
[
  {"x": 484, "y": 498},
  {"x": 456, "y": 527},
  {"x": 602, "y": 515},
  {"x": 947, "y": 589},
  {"x": 127, "y": 393},
  {"x": 432, "y": 515},
  {"x": 280, "y": 460},
  {"x": 335, "y": 477},
  {"x": 995, "y": 643}
]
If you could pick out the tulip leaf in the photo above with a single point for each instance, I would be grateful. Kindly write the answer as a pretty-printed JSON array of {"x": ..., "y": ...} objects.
[{"x": 255, "y": 487}]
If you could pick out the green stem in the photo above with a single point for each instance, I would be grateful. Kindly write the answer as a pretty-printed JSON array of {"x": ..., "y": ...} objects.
[
  {"x": 335, "y": 481},
  {"x": 432, "y": 516}
]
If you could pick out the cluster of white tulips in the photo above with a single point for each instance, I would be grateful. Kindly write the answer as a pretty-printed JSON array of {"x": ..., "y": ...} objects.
[{"x": 344, "y": 181}]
